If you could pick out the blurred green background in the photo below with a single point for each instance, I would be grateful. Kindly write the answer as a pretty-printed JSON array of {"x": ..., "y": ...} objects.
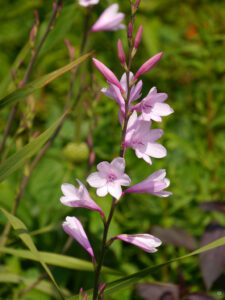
[{"x": 192, "y": 71}]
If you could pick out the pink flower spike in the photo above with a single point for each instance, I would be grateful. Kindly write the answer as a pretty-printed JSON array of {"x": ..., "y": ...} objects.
[
  {"x": 109, "y": 20},
  {"x": 148, "y": 65},
  {"x": 109, "y": 178},
  {"x": 107, "y": 73},
  {"x": 73, "y": 227},
  {"x": 138, "y": 37},
  {"x": 87, "y": 3},
  {"x": 78, "y": 197},
  {"x": 154, "y": 184},
  {"x": 121, "y": 54},
  {"x": 146, "y": 242}
]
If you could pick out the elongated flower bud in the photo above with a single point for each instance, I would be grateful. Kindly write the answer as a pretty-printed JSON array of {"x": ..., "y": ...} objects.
[
  {"x": 138, "y": 37},
  {"x": 130, "y": 31},
  {"x": 121, "y": 54},
  {"x": 107, "y": 73},
  {"x": 148, "y": 65},
  {"x": 146, "y": 242},
  {"x": 73, "y": 227}
]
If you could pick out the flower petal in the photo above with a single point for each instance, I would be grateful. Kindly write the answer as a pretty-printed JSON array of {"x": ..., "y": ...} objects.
[
  {"x": 95, "y": 180},
  {"x": 73, "y": 227}
]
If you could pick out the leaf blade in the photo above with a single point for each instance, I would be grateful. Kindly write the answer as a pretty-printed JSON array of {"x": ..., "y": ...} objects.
[{"x": 29, "y": 88}]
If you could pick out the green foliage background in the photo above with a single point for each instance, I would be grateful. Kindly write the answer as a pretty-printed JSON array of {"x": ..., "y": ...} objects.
[{"x": 192, "y": 72}]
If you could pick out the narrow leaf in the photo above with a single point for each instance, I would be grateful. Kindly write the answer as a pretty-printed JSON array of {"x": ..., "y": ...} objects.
[
  {"x": 23, "y": 233},
  {"x": 59, "y": 260},
  {"x": 44, "y": 286},
  {"x": 18, "y": 159},
  {"x": 29, "y": 88},
  {"x": 133, "y": 278}
]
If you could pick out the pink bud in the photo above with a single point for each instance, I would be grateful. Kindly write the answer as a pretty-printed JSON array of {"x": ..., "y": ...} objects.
[
  {"x": 130, "y": 31},
  {"x": 89, "y": 141},
  {"x": 137, "y": 4},
  {"x": 81, "y": 291},
  {"x": 121, "y": 54},
  {"x": 148, "y": 65},
  {"x": 73, "y": 227},
  {"x": 85, "y": 296},
  {"x": 33, "y": 33},
  {"x": 138, "y": 37},
  {"x": 70, "y": 48},
  {"x": 92, "y": 158},
  {"x": 36, "y": 134},
  {"x": 107, "y": 73},
  {"x": 36, "y": 16},
  {"x": 21, "y": 84},
  {"x": 53, "y": 5},
  {"x": 13, "y": 74}
]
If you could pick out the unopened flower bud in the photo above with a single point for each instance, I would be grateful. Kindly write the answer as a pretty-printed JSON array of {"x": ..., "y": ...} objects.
[
  {"x": 130, "y": 31},
  {"x": 121, "y": 54},
  {"x": 13, "y": 74},
  {"x": 137, "y": 4},
  {"x": 147, "y": 65},
  {"x": 138, "y": 37},
  {"x": 36, "y": 17}
]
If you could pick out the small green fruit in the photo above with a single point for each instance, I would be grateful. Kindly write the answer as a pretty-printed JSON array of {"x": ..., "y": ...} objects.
[{"x": 76, "y": 152}]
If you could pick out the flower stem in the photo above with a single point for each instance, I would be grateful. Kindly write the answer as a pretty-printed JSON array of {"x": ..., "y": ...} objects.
[{"x": 122, "y": 152}]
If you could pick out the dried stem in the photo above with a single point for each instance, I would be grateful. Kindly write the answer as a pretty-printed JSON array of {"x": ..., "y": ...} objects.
[
  {"x": 28, "y": 71},
  {"x": 114, "y": 201}
]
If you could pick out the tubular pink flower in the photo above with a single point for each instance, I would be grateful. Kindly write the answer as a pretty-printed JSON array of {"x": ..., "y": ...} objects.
[
  {"x": 154, "y": 184},
  {"x": 88, "y": 2},
  {"x": 109, "y": 178},
  {"x": 146, "y": 242},
  {"x": 121, "y": 54},
  {"x": 138, "y": 37},
  {"x": 73, "y": 227},
  {"x": 148, "y": 65},
  {"x": 152, "y": 106},
  {"x": 78, "y": 197},
  {"x": 107, "y": 73},
  {"x": 109, "y": 20},
  {"x": 140, "y": 138},
  {"x": 114, "y": 92}
]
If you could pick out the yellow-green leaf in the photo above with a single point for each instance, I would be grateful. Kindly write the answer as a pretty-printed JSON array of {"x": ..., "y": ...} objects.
[
  {"x": 29, "y": 88},
  {"x": 24, "y": 235},
  {"x": 18, "y": 159}
]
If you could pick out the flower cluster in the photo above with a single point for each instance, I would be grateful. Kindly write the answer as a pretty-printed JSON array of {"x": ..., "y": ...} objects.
[{"x": 136, "y": 115}]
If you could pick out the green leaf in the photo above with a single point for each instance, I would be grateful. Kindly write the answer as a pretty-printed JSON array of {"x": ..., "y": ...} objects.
[
  {"x": 29, "y": 88},
  {"x": 57, "y": 260},
  {"x": 23, "y": 233},
  {"x": 18, "y": 159},
  {"x": 44, "y": 286},
  {"x": 133, "y": 278}
]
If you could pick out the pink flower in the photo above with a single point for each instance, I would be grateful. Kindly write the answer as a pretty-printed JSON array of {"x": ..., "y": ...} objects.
[
  {"x": 109, "y": 20},
  {"x": 109, "y": 178},
  {"x": 154, "y": 184},
  {"x": 107, "y": 73},
  {"x": 145, "y": 241},
  {"x": 114, "y": 92},
  {"x": 148, "y": 65},
  {"x": 73, "y": 227},
  {"x": 121, "y": 53},
  {"x": 140, "y": 138},
  {"x": 78, "y": 197},
  {"x": 88, "y": 2},
  {"x": 152, "y": 107}
]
